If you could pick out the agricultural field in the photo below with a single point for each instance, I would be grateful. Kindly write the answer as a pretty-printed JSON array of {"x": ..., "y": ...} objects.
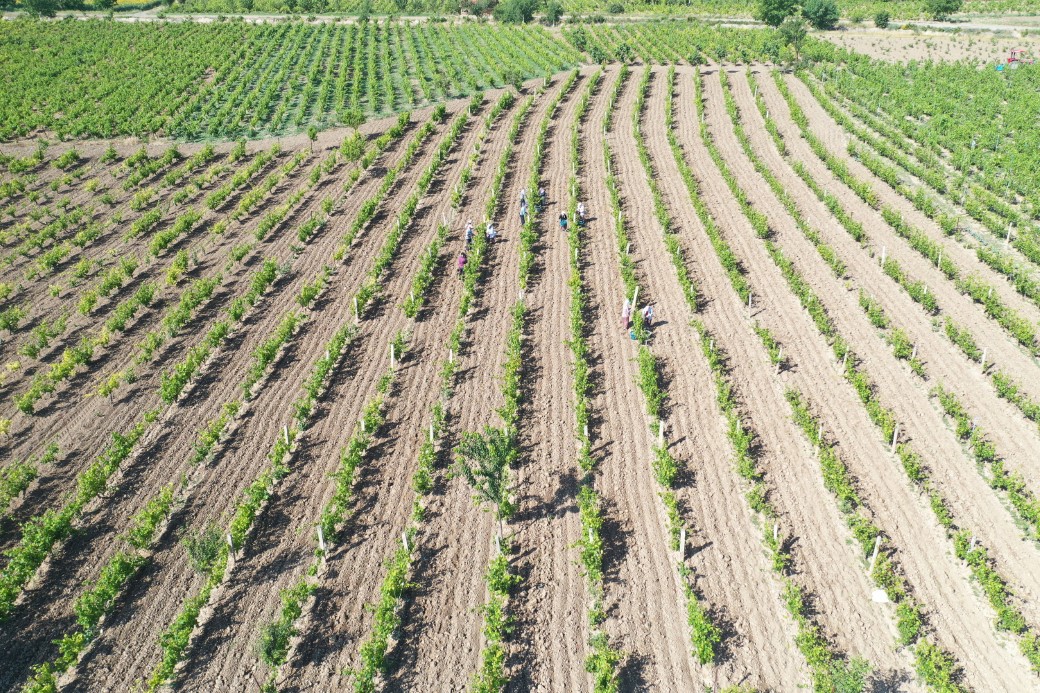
[{"x": 263, "y": 427}]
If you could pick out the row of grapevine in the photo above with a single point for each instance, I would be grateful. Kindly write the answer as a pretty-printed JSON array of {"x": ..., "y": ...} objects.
[
  {"x": 603, "y": 660},
  {"x": 935, "y": 667},
  {"x": 177, "y": 637}
]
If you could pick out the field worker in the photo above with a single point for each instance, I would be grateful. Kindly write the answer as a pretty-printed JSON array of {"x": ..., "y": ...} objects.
[
  {"x": 523, "y": 197},
  {"x": 541, "y": 200},
  {"x": 462, "y": 263},
  {"x": 523, "y": 212},
  {"x": 648, "y": 315},
  {"x": 563, "y": 220},
  {"x": 469, "y": 232},
  {"x": 581, "y": 211},
  {"x": 490, "y": 232},
  {"x": 626, "y": 314}
]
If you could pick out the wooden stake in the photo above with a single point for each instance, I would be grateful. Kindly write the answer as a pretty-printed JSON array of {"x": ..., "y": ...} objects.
[
  {"x": 844, "y": 361},
  {"x": 321, "y": 539},
  {"x": 635, "y": 295},
  {"x": 586, "y": 428},
  {"x": 776, "y": 531},
  {"x": 983, "y": 359},
  {"x": 682, "y": 543},
  {"x": 392, "y": 360},
  {"x": 749, "y": 296},
  {"x": 873, "y": 557},
  {"x": 628, "y": 247},
  {"x": 357, "y": 315},
  {"x": 362, "y": 425},
  {"x": 451, "y": 355},
  {"x": 404, "y": 540},
  {"x": 938, "y": 262},
  {"x": 913, "y": 354},
  {"x": 660, "y": 434},
  {"x": 231, "y": 543},
  {"x": 431, "y": 432}
]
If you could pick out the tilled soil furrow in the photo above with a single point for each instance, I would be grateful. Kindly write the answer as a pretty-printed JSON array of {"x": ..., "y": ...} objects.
[
  {"x": 237, "y": 463},
  {"x": 644, "y": 601},
  {"x": 549, "y": 604},
  {"x": 962, "y": 619},
  {"x": 1002, "y": 349},
  {"x": 286, "y": 537},
  {"x": 441, "y": 636},
  {"x": 971, "y": 499},
  {"x": 84, "y": 431}
]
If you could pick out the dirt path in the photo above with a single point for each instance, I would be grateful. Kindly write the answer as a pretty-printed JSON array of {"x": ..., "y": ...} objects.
[
  {"x": 551, "y": 603},
  {"x": 240, "y": 460},
  {"x": 1002, "y": 350},
  {"x": 441, "y": 633},
  {"x": 962, "y": 620},
  {"x": 286, "y": 541}
]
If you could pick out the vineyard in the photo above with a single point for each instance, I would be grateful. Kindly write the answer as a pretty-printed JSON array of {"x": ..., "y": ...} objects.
[{"x": 270, "y": 419}]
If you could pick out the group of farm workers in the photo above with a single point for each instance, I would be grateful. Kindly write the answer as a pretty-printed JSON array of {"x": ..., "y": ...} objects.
[{"x": 491, "y": 233}]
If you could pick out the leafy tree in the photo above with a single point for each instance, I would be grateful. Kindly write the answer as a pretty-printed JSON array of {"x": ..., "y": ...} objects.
[
  {"x": 822, "y": 14},
  {"x": 942, "y": 9},
  {"x": 312, "y": 135},
  {"x": 793, "y": 32},
  {"x": 516, "y": 11},
  {"x": 354, "y": 118},
  {"x": 353, "y": 147},
  {"x": 104, "y": 4},
  {"x": 41, "y": 8},
  {"x": 553, "y": 12},
  {"x": 881, "y": 19},
  {"x": 616, "y": 8},
  {"x": 580, "y": 39},
  {"x": 773, "y": 12},
  {"x": 482, "y": 459}
]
